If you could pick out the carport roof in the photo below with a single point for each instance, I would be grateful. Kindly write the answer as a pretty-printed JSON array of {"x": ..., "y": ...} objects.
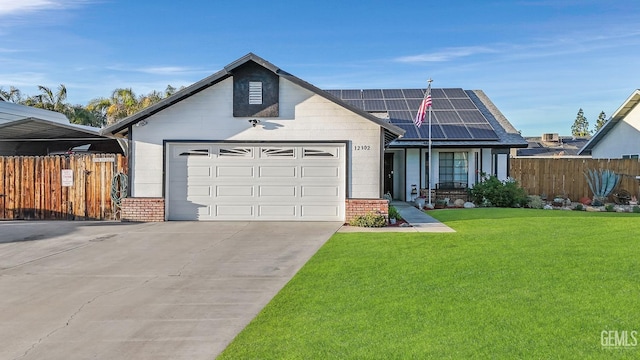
[
  {"x": 20, "y": 122},
  {"x": 122, "y": 126},
  {"x": 38, "y": 129}
]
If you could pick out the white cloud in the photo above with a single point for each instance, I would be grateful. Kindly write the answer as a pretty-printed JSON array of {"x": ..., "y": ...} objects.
[
  {"x": 12, "y": 7},
  {"x": 446, "y": 54}
]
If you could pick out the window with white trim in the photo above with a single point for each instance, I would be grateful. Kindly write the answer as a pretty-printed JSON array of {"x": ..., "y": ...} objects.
[{"x": 454, "y": 169}]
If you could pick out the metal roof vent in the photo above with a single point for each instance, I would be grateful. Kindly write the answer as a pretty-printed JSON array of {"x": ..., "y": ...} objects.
[
  {"x": 550, "y": 137},
  {"x": 255, "y": 92}
]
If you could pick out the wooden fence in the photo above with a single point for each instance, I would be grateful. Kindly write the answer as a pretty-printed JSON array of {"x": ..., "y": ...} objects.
[
  {"x": 565, "y": 176},
  {"x": 59, "y": 187}
]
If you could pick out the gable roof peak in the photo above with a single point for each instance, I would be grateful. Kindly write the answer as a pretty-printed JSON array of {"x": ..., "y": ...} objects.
[{"x": 251, "y": 57}]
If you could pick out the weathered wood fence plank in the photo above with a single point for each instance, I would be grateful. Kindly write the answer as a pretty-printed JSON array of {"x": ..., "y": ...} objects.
[
  {"x": 565, "y": 176},
  {"x": 32, "y": 188}
]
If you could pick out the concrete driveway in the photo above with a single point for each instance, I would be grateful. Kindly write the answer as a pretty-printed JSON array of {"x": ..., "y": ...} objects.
[{"x": 174, "y": 290}]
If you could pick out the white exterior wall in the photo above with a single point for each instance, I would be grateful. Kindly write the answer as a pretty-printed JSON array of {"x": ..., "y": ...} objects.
[
  {"x": 623, "y": 139},
  {"x": 486, "y": 158},
  {"x": 413, "y": 168},
  {"x": 471, "y": 175},
  {"x": 304, "y": 116},
  {"x": 502, "y": 166}
]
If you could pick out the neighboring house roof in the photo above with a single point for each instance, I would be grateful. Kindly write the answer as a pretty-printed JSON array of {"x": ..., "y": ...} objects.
[
  {"x": 617, "y": 116},
  {"x": 460, "y": 118},
  {"x": 121, "y": 127},
  {"x": 565, "y": 146}
]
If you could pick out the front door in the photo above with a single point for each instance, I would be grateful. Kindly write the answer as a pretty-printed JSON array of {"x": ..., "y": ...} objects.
[{"x": 388, "y": 174}]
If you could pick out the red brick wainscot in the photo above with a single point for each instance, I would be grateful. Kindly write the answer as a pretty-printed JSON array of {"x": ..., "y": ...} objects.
[
  {"x": 355, "y": 207},
  {"x": 142, "y": 209}
]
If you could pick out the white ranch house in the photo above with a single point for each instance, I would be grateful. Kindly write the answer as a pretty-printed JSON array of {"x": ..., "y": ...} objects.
[{"x": 253, "y": 142}]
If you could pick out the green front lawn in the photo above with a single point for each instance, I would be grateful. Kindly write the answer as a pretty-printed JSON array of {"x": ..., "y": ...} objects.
[{"x": 510, "y": 283}]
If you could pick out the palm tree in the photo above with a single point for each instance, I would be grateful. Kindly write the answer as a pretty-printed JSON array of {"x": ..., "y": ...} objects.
[
  {"x": 12, "y": 95},
  {"x": 122, "y": 103},
  {"x": 51, "y": 101}
]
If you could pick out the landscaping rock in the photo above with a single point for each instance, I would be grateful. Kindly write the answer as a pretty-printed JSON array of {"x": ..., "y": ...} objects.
[
  {"x": 428, "y": 206},
  {"x": 548, "y": 207},
  {"x": 593, "y": 209},
  {"x": 458, "y": 203},
  {"x": 469, "y": 205}
]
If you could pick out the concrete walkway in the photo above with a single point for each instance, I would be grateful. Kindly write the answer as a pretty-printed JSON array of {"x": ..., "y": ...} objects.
[{"x": 419, "y": 222}]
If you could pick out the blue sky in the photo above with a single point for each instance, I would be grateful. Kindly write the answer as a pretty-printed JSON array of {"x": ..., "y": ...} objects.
[{"x": 539, "y": 60}]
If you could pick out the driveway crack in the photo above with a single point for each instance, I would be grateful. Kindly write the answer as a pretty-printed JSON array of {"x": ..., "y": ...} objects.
[{"x": 70, "y": 319}]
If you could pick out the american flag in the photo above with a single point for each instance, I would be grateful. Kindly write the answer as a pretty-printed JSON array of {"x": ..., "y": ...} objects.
[{"x": 426, "y": 104}]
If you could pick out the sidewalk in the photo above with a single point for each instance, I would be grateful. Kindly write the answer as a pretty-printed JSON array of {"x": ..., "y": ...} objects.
[{"x": 419, "y": 221}]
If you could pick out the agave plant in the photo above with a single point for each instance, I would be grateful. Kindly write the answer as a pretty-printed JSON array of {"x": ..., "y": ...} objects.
[{"x": 602, "y": 183}]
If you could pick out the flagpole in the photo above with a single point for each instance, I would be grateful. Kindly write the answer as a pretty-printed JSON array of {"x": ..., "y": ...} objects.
[{"x": 429, "y": 153}]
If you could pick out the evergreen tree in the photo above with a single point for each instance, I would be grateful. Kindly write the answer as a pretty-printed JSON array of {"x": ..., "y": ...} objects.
[
  {"x": 602, "y": 118},
  {"x": 580, "y": 126}
]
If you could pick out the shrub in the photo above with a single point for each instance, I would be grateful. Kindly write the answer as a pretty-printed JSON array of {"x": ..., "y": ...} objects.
[
  {"x": 535, "y": 202},
  {"x": 636, "y": 209},
  {"x": 393, "y": 213},
  {"x": 579, "y": 207},
  {"x": 499, "y": 193},
  {"x": 369, "y": 220},
  {"x": 608, "y": 207}
]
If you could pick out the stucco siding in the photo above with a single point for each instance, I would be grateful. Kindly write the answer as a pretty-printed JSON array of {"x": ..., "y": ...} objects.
[
  {"x": 623, "y": 139},
  {"x": 304, "y": 116}
]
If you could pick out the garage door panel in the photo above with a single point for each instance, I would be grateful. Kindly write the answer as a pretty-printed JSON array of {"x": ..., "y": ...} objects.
[
  {"x": 320, "y": 210},
  {"x": 187, "y": 210},
  {"x": 320, "y": 191},
  {"x": 277, "y": 172},
  {"x": 320, "y": 172},
  {"x": 243, "y": 211},
  {"x": 256, "y": 182},
  {"x": 279, "y": 191},
  {"x": 235, "y": 191},
  {"x": 199, "y": 190},
  {"x": 277, "y": 211},
  {"x": 234, "y": 171}
]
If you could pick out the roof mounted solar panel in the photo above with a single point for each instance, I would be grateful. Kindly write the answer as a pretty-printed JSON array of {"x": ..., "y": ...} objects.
[
  {"x": 351, "y": 94},
  {"x": 472, "y": 117},
  {"x": 414, "y": 104},
  {"x": 438, "y": 94},
  {"x": 400, "y": 117},
  {"x": 457, "y": 132},
  {"x": 463, "y": 104},
  {"x": 414, "y": 93},
  {"x": 357, "y": 103},
  {"x": 436, "y": 131},
  {"x": 447, "y": 117},
  {"x": 411, "y": 131},
  {"x": 441, "y": 104},
  {"x": 455, "y": 93},
  {"x": 482, "y": 132},
  {"x": 372, "y": 94},
  {"x": 392, "y": 94},
  {"x": 374, "y": 105},
  {"x": 397, "y": 105},
  {"x": 336, "y": 93}
]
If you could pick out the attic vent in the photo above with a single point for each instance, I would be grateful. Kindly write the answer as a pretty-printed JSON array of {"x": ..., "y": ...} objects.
[
  {"x": 255, "y": 92},
  {"x": 550, "y": 137}
]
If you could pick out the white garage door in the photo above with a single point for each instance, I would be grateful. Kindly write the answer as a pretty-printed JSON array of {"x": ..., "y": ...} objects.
[{"x": 223, "y": 181}]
